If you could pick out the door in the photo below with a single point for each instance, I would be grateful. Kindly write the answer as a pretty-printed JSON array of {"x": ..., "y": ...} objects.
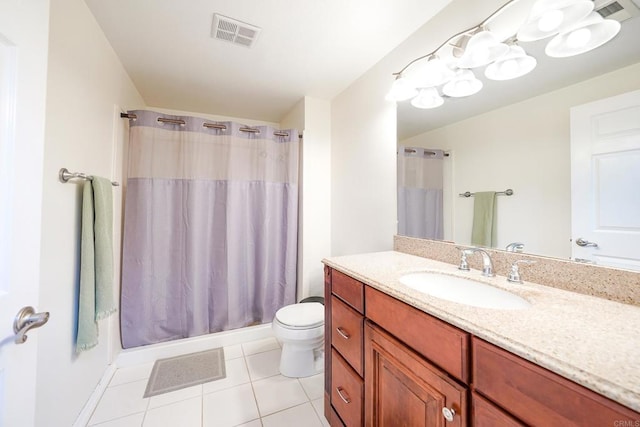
[
  {"x": 23, "y": 72},
  {"x": 605, "y": 181},
  {"x": 402, "y": 389}
]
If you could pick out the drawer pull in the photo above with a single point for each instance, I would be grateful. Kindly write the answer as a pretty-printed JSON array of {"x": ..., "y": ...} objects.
[
  {"x": 344, "y": 399},
  {"x": 448, "y": 414},
  {"x": 342, "y": 333}
]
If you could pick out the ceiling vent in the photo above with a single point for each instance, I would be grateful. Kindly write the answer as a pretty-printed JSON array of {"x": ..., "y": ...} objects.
[
  {"x": 620, "y": 10},
  {"x": 234, "y": 31}
]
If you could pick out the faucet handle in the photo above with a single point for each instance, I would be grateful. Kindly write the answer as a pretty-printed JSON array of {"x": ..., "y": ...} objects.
[
  {"x": 464, "y": 265},
  {"x": 514, "y": 274}
]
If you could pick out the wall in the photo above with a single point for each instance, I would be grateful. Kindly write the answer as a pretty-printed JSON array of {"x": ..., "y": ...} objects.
[
  {"x": 363, "y": 137},
  {"x": 524, "y": 146},
  {"x": 86, "y": 86},
  {"x": 314, "y": 239}
]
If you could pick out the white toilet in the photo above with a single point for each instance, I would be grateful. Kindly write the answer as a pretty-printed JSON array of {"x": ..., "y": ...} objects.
[{"x": 300, "y": 329}]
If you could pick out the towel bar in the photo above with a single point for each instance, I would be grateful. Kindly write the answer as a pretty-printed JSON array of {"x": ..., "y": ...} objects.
[
  {"x": 507, "y": 192},
  {"x": 64, "y": 175}
]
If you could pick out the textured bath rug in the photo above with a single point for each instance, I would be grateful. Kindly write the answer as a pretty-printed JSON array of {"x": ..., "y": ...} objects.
[{"x": 184, "y": 371}]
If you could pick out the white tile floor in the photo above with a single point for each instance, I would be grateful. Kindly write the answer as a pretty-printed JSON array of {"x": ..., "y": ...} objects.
[{"x": 253, "y": 394}]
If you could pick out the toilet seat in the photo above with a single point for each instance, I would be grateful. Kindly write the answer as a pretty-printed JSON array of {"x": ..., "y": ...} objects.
[{"x": 301, "y": 316}]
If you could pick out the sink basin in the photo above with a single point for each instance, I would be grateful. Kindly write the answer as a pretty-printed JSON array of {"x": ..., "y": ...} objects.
[{"x": 463, "y": 291}]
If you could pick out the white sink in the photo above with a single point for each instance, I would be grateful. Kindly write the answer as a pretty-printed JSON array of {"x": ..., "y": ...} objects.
[{"x": 463, "y": 291}]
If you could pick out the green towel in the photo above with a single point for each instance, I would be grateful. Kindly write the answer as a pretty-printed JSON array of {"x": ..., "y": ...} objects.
[
  {"x": 95, "y": 300},
  {"x": 484, "y": 229}
]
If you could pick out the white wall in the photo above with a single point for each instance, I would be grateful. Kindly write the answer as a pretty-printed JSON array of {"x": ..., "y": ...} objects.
[
  {"x": 314, "y": 238},
  {"x": 524, "y": 146},
  {"x": 363, "y": 140},
  {"x": 86, "y": 84}
]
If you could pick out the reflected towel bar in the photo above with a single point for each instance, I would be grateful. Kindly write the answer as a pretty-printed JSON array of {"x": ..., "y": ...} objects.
[
  {"x": 64, "y": 175},
  {"x": 507, "y": 192}
]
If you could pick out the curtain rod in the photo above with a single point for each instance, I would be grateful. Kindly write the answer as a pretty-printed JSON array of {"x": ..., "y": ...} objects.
[{"x": 205, "y": 124}]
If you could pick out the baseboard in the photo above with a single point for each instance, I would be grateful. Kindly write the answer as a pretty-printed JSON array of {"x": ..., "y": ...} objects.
[
  {"x": 92, "y": 403},
  {"x": 153, "y": 352}
]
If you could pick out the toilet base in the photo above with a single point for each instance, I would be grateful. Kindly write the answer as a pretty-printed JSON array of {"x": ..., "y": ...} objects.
[{"x": 296, "y": 362}]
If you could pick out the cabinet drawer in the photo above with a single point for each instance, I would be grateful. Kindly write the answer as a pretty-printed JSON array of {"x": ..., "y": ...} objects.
[
  {"x": 346, "y": 333},
  {"x": 347, "y": 391},
  {"x": 537, "y": 396},
  {"x": 443, "y": 344},
  {"x": 486, "y": 414},
  {"x": 348, "y": 289}
]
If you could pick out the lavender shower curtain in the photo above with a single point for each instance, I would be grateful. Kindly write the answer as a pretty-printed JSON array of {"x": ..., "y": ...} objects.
[
  {"x": 210, "y": 231},
  {"x": 420, "y": 193}
]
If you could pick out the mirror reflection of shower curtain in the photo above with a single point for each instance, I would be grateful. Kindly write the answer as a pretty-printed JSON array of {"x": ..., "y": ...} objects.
[
  {"x": 210, "y": 231},
  {"x": 420, "y": 192}
]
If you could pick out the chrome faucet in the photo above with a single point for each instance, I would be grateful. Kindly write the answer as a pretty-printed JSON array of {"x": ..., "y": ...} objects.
[
  {"x": 514, "y": 274},
  {"x": 515, "y": 247},
  {"x": 487, "y": 264}
]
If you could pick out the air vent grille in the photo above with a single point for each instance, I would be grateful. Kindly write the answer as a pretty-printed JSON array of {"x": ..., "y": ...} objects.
[
  {"x": 610, "y": 9},
  {"x": 234, "y": 31},
  {"x": 620, "y": 10}
]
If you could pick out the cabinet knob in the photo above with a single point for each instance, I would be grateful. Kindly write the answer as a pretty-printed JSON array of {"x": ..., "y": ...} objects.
[{"x": 448, "y": 414}]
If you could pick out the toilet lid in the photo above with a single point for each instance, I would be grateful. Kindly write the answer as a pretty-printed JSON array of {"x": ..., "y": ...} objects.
[{"x": 306, "y": 315}]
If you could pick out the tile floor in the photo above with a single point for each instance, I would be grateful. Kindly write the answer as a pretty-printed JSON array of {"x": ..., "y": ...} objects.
[{"x": 253, "y": 394}]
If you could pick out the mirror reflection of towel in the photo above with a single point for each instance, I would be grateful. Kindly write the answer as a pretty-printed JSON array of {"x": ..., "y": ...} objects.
[{"x": 484, "y": 229}]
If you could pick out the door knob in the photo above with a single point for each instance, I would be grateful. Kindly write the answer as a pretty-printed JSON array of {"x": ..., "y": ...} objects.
[
  {"x": 27, "y": 319},
  {"x": 585, "y": 243}
]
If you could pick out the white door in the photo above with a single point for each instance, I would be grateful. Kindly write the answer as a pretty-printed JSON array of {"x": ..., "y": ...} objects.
[
  {"x": 605, "y": 181},
  {"x": 24, "y": 26}
]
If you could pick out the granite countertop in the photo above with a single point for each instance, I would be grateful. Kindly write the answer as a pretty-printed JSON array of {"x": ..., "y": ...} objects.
[{"x": 592, "y": 341}]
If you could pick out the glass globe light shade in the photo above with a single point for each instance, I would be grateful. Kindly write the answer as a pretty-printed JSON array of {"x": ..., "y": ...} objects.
[
  {"x": 401, "y": 90},
  {"x": 429, "y": 73},
  {"x": 549, "y": 17},
  {"x": 514, "y": 64},
  {"x": 427, "y": 98},
  {"x": 483, "y": 48},
  {"x": 464, "y": 83},
  {"x": 591, "y": 33}
]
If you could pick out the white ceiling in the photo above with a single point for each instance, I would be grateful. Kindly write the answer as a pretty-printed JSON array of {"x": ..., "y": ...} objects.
[{"x": 311, "y": 48}]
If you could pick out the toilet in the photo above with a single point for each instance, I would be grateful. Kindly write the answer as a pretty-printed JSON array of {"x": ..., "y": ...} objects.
[{"x": 300, "y": 329}]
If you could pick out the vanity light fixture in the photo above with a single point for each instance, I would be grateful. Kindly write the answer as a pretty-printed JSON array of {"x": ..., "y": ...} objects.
[
  {"x": 513, "y": 64},
  {"x": 592, "y": 32},
  {"x": 576, "y": 27},
  {"x": 463, "y": 84},
  {"x": 550, "y": 17},
  {"x": 427, "y": 98},
  {"x": 482, "y": 49}
]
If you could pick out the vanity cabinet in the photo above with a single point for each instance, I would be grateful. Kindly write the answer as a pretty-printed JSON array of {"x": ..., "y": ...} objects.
[
  {"x": 537, "y": 396},
  {"x": 390, "y": 364},
  {"x": 402, "y": 388}
]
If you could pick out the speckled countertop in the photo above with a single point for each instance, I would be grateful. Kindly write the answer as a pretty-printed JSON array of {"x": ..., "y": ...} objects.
[{"x": 592, "y": 341}]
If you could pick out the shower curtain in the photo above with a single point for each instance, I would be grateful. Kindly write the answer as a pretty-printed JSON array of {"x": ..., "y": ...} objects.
[
  {"x": 210, "y": 229},
  {"x": 420, "y": 183}
]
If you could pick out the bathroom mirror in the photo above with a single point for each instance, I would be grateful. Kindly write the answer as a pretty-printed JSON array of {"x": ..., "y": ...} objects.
[{"x": 515, "y": 135}]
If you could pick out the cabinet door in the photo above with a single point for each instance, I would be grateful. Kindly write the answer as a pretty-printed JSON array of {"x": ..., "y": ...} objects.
[{"x": 402, "y": 389}]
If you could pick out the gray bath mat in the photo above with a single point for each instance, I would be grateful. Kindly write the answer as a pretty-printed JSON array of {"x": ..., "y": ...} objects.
[{"x": 184, "y": 371}]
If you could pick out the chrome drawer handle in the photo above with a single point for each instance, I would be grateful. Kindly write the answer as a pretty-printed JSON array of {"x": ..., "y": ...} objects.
[
  {"x": 344, "y": 399},
  {"x": 342, "y": 333}
]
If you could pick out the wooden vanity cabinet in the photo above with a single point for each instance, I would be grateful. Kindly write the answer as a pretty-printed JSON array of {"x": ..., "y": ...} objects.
[
  {"x": 400, "y": 366},
  {"x": 372, "y": 377},
  {"x": 537, "y": 396},
  {"x": 403, "y": 389},
  {"x": 344, "y": 366}
]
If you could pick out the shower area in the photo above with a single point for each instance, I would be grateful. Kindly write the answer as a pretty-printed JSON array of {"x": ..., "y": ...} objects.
[
  {"x": 210, "y": 227},
  {"x": 421, "y": 176}
]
